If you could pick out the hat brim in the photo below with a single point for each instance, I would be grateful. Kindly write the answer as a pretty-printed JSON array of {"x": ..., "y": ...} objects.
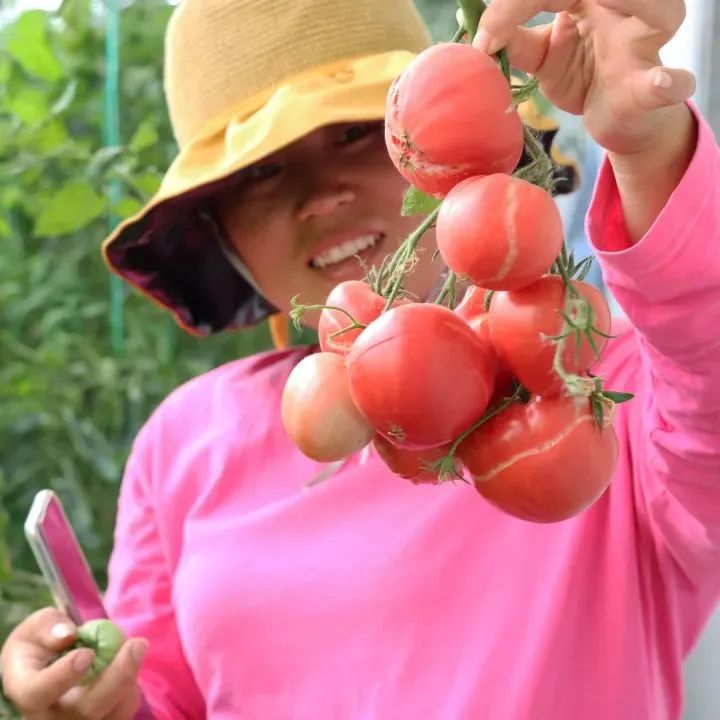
[{"x": 170, "y": 252}]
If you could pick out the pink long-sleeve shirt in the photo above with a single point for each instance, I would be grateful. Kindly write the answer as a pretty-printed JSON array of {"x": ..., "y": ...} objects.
[{"x": 368, "y": 598}]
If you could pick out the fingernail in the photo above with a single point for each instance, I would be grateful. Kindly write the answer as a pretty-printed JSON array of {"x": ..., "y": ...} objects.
[
  {"x": 137, "y": 651},
  {"x": 83, "y": 660},
  {"x": 662, "y": 79},
  {"x": 482, "y": 40},
  {"x": 62, "y": 631}
]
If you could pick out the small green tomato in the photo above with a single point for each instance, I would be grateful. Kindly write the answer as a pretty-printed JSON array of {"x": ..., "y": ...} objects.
[{"x": 105, "y": 639}]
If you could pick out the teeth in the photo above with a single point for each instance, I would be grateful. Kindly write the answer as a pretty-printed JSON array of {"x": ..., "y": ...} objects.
[{"x": 344, "y": 251}]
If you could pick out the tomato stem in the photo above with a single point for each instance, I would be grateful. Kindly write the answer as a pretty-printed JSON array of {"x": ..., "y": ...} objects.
[
  {"x": 459, "y": 35},
  {"x": 578, "y": 323},
  {"x": 448, "y": 291},
  {"x": 403, "y": 254},
  {"x": 298, "y": 310},
  {"x": 352, "y": 326},
  {"x": 540, "y": 169},
  {"x": 605, "y": 400},
  {"x": 446, "y": 465},
  {"x": 488, "y": 299},
  {"x": 524, "y": 92}
]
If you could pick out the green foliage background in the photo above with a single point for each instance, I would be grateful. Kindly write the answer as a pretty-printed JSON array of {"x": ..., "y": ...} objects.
[{"x": 69, "y": 405}]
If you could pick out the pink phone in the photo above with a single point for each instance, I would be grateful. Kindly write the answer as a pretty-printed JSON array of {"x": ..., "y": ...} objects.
[{"x": 64, "y": 565}]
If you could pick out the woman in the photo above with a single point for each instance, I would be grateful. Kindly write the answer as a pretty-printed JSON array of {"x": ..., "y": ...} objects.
[{"x": 249, "y": 594}]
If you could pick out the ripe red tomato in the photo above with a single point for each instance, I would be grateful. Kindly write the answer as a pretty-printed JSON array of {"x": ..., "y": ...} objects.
[
  {"x": 318, "y": 412},
  {"x": 420, "y": 375},
  {"x": 498, "y": 231},
  {"x": 356, "y": 298},
  {"x": 410, "y": 464},
  {"x": 503, "y": 377},
  {"x": 522, "y": 321},
  {"x": 472, "y": 310},
  {"x": 450, "y": 116},
  {"x": 472, "y": 304},
  {"x": 544, "y": 462}
]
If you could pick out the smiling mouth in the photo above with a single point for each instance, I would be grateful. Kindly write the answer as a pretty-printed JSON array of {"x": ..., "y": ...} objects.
[{"x": 344, "y": 251}]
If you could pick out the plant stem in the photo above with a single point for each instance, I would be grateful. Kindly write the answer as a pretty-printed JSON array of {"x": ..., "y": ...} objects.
[
  {"x": 525, "y": 92},
  {"x": 448, "y": 291},
  {"x": 488, "y": 299},
  {"x": 299, "y": 310},
  {"x": 459, "y": 35},
  {"x": 348, "y": 328},
  {"x": 405, "y": 251},
  {"x": 447, "y": 463},
  {"x": 503, "y": 405},
  {"x": 505, "y": 64},
  {"x": 540, "y": 159}
]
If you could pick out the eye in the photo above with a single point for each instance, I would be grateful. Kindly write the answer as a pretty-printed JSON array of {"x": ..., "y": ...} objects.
[
  {"x": 353, "y": 133},
  {"x": 259, "y": 173}
]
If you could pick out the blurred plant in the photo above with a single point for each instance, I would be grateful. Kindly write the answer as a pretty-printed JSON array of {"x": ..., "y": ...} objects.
[{"x": 69, "y": 406}]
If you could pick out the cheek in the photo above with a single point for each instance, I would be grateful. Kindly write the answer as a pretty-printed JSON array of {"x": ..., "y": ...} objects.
[
  {"x": 263, "y": 239},
  {"x": 389, "y": 187}
]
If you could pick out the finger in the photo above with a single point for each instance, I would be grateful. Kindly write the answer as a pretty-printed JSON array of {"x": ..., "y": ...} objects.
[
  {"x": 128, "y": 706},
  {"x": 502, "y": 18},
  {"x": 48, "y": 630},
  {"x": 118, "y": 679},
  {"x": 34, "y": 691},
  {"x": 528, "y": 47},
  {"x": 662, "y": 87},
  {"x": 664, "y": 15}
]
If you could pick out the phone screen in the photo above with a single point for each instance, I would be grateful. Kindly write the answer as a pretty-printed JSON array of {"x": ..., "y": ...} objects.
[{"x": 61, "y": 560}]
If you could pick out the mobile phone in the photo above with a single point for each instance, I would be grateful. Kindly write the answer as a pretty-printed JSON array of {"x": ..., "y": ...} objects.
[
  {"x": 61, "y": 560},
  {"x": 64, "y": 566}
]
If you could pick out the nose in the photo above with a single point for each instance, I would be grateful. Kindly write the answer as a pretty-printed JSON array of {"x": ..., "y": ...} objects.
[{"x": 325, "y": 201}]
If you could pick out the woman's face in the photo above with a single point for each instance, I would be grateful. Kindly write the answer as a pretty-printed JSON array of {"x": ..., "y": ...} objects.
[{"x": 299, "y": 218}]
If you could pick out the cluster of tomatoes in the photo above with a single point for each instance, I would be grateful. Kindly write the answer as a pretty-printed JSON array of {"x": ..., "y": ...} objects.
[{"x": 497, "y": 390}]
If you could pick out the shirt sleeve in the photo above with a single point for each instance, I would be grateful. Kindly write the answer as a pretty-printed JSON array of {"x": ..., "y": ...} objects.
[
  {"x": 668, "y": 285},
  {"x": 139, "y": 596}
]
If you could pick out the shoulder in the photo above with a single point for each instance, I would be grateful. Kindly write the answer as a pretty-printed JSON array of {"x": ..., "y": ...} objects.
[
  {"x": 255, "y": 374},
  {"x": 225, "y": 398}
]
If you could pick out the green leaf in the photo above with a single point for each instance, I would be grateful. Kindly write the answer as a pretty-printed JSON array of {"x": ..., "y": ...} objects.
[
  {"x": 28, "y": 44},
  {"x": 5, "y": 564},
  {"x": 66, "y": 99},
  {"x": 101, "y": 159},
  {"x": 471, "y": 14},
  {"x": 5, "y": 71},
  {"x": 617, "y": 397},
  {"x": 148, "y": 183},
  {"x": 127, "y": 207},
  {"x": 10, "y": 196},
  {"x": 51, "y": 136},
  {"x": 4, "y": 228},
  {"x": 416, "y": 202},
  {"x": 144, "y": 137},
  {"x": 29, "y": 105},
  {"x": 69, "y": 210}
]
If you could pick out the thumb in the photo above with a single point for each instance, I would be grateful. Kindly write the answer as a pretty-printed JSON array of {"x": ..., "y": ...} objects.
[{"x": 662, "y": 87}]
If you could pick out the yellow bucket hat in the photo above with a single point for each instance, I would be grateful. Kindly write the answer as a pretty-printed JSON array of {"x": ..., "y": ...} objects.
[{"x": 243, "y": 79}]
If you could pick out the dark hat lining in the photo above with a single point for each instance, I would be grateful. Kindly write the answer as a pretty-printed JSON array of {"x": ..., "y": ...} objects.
[{"x": 174, "y": 255}]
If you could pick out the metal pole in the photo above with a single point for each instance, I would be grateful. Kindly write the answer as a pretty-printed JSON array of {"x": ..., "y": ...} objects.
[{"x": 111, "y": 138}]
